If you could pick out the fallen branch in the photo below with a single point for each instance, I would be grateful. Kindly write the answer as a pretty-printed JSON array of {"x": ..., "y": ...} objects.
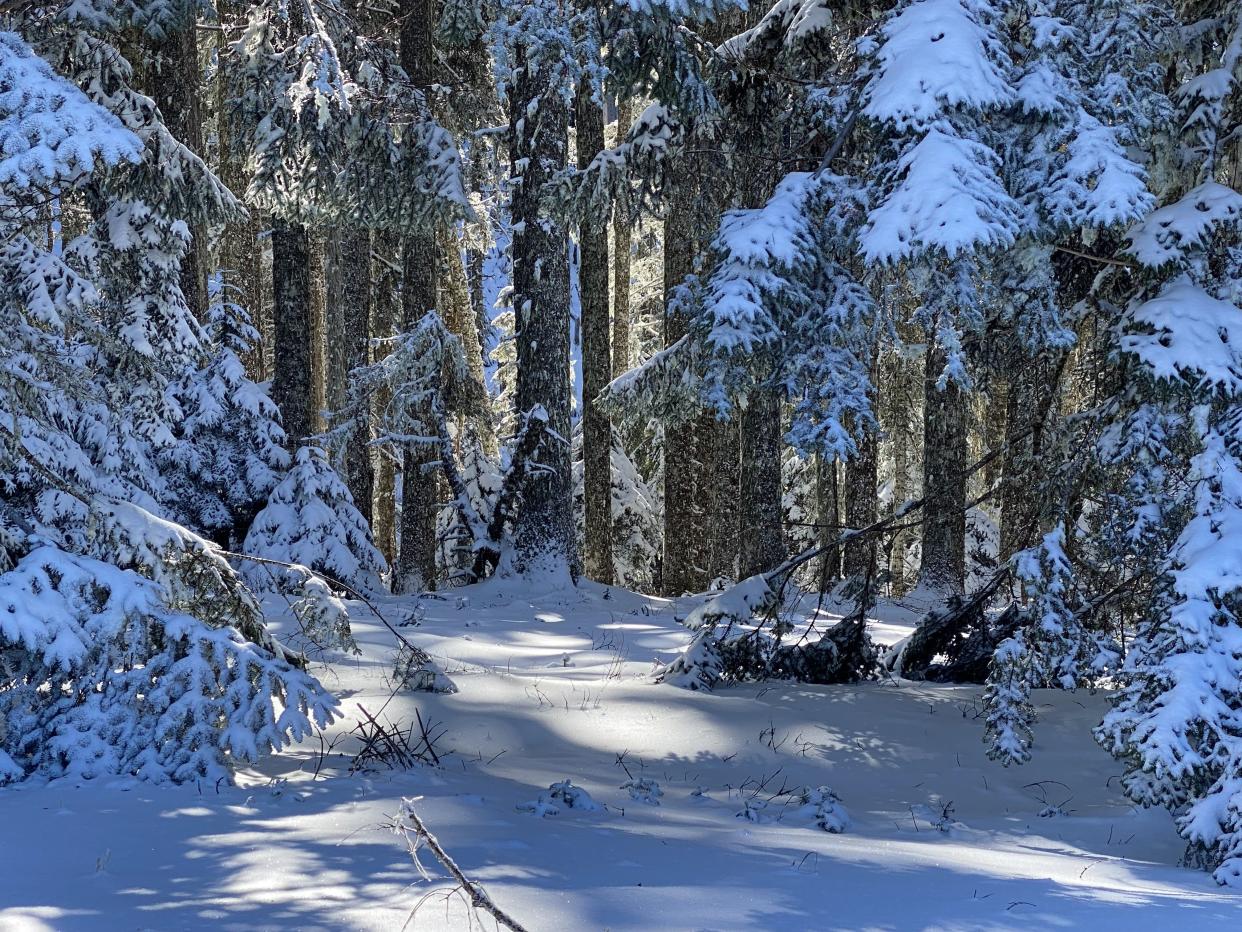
[{"x": 412, "y": 825}]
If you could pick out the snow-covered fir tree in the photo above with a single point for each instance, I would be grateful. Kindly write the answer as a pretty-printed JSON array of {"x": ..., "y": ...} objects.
[
  {"x": 310, "y": 520},
  {"x": 130, "y": 647}
]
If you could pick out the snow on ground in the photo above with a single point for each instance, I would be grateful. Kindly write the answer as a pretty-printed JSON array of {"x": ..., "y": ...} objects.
[{"x": 556, "y": 685}]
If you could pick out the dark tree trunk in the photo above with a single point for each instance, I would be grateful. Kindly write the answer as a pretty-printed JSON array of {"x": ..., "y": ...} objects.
[
  {"x": 174, "y": 84},
  {"x": 621, "y": 234},
  {"x": 349, "y": 334},
  {"x": 416, "y": 561},
  {"x": 687, "y": 548},
  {"x": 828, "y": 519},
  {"x": 544, "y": 535},
  {"x": 240, "y": 251},
  {"x": 387, "y": 316},
  {"x": 596, "y": 368},
  {"x": 860, "y": 507},
  {"x": 291, "y": 285},
  {"x": 762, "y": 542},
  {"x": 861, "y": 482},
  {"x": 943, "y": 565}
]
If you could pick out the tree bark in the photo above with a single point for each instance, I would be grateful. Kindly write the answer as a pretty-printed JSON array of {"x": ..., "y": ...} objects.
[
  {"x": 943, "y": 565},
  {"x": 860, "y": 507},
  {"x": 621, "y": 236},
  {"x": 387, "y": 317},
  {"x": 291, "y": 286},
  {"x": 538, "y": 127},
  {"x": 828, "y": 517},
  {"x": 319, "y": 324},
  {"x": 687, "y": 549},
  {"x": 762, "y": 543},
  {"x": 861, "y": 492},
  {"x": 416, "y": 561},
  {"x": 348, "y": 345},
  {"x": 596, "y": 367},
  {"x": 174, "y": 84}
]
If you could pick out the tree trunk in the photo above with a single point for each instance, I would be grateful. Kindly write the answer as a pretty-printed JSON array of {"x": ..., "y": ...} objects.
[
  {"x": 1030, "y": 387},
  {"x": 861, "y": 493},
  {"x": 544, "y": 535},
  {"x": 687, "y": 549},
  {"x": 240, "y": 252},
  {"x": 291, "y": 286},
  {"x": 828, "y": 519},
  {"x": 174, "y": 84},
  {"x": 860, "y": 511},
  {"x": 596, "y": 368},
  {"x": 943, "y": 565},
  {"x": 416, "y": 561},
  {"x": 717, "y": 493},
  {"x": 762, "y": 543},
  {"x": 621, "y": 234},
  {"x": 387, "y": 317},
  {"x": 319, "y": 324},
  {"x": 348, "y": 343}
]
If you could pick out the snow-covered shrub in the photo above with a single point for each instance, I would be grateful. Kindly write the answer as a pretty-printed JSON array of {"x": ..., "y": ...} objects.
[
  {"x": 824, "y": 806},
  {"x": 106, "y": 678},
  {"x": 417, "y": 671},
  {"x": 310, "y": 520},
  {"x": 727, "y": 644},
  {"x": 644, "y": 790},
  {"x": 1178, "y": 721},
  {"x": 228, "y": 454},
  {"x": 482, "y": 478},
  {"x": 128, "y": 647},
  {"x": 560, "y": 794},
  {"x": 636, "y": 529}
]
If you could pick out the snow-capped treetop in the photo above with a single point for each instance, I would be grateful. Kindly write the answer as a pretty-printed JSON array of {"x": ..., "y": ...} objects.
[
  {"x": 1189, "y": 333},
  {"x": 949, "y": 200},
  {"x": 755, "y": 246},
  {"x": 51, "y": 134},
  {"x": 1097, "y": 184},
  {"x": 937, "y": 55},
  {"x": 310, "y": 520},
  {"x": 786, "y": 24},
  {"x": 1167, "y": 235},
  {"x": 689, "y": 9}
]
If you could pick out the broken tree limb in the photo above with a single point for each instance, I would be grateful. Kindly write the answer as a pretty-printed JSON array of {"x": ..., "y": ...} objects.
[{"x": 412, "y": 825}]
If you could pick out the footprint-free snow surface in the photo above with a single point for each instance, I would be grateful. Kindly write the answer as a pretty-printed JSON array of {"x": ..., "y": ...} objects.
[{"x": 777, "y": 806}]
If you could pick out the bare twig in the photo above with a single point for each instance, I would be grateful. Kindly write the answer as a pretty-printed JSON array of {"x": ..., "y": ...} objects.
[{"x": 415, "y": 831}]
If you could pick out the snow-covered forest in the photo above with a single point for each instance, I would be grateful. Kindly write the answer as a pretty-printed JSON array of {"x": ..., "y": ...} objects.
[{"x": 620, "y": 464}]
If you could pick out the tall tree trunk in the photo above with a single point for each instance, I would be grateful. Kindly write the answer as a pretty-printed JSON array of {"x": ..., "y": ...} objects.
[
  {"x": 687, "y": 549},
  {"x": 860, "y": 506},
  {"x": 291, "y": 288},
  {"x": 538, "y": 135},
  {"x": 416, "y": 561},
  {"x": 348, "y": 343},
  {"x": 943, "y": 565},
  {"x": 596, "y": 368},
  {"x": 319, "y": 324},
  {"x": 621, "y": 237},
  {"x": 461, "y": 319},
  {"x": 386, "y": 318},
  {"x": 240, "y": 252},
  {"x": 828, "y": 519},
  {"x": 717, "y": 493},
  {"x": 761, "y": 539},
  {"x": 861, "y": 492},
  {"x": 174, "y": 84}
]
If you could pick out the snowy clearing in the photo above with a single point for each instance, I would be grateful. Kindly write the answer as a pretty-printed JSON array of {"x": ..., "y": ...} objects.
[{"x": 556, "y": 685}]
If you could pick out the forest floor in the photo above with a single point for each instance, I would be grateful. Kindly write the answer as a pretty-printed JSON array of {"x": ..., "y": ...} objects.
[{"x": 557, "y": 685}]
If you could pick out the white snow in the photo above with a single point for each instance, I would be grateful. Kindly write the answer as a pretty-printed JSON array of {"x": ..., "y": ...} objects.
[{"x": 556, "y": 686}]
